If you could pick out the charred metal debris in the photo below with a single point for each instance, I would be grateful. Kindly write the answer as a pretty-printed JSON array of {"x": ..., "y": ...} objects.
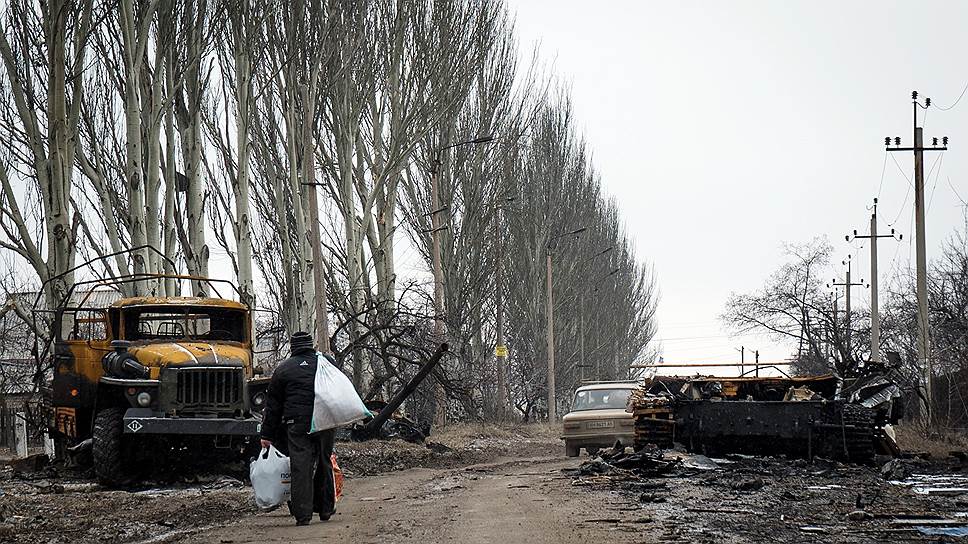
[{"x": 848, "y": 420}]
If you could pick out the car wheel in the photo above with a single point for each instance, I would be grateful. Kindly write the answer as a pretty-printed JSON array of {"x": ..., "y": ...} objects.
[{"x": 571, "y": 450}]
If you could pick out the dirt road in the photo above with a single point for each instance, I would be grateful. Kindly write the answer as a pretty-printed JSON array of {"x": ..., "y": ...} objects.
[
  {"x": 514, "y": 500},
  {"x": 532, "y": 500}
]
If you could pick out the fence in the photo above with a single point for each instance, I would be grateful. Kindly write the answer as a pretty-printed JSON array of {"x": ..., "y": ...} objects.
[{"x": 8, "y": 441}]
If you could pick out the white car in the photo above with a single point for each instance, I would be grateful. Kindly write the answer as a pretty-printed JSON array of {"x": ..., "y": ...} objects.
[{"x": 598, "y": 418}]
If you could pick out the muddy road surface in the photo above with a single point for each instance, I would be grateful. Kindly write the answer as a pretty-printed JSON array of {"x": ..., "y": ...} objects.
[
  {"x": 552, "y": 500},
  {"x": 515, "y": 486},
  {"x": 512, "y": 500}
]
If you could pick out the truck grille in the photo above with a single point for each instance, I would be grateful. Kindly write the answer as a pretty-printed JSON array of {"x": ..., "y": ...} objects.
[{"x": 208, "y": 389}]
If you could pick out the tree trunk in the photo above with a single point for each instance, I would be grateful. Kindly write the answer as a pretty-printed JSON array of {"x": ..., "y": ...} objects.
[
  {"x": 243, "y": 232},
  {"x": 133, "y": 170}
]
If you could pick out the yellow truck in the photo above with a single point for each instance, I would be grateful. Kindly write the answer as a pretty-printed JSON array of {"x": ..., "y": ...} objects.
[{"x": 146, "y": 376}]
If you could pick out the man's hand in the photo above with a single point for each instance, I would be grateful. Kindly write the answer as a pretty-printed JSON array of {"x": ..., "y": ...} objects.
[{"x": 265, "y": 443}]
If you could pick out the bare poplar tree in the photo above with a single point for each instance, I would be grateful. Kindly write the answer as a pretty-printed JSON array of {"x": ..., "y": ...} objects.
[{"x": 40, "y": 131}]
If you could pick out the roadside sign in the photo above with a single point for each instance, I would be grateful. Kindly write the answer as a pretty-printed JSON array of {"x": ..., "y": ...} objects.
[{"x": 500, "y": 351}]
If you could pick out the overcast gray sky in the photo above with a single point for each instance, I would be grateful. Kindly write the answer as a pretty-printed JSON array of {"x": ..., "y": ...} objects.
[{"x": 728, "y": 128}]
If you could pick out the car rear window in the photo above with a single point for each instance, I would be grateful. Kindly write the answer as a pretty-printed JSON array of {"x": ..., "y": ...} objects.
[{"x": 601, "y": 399}]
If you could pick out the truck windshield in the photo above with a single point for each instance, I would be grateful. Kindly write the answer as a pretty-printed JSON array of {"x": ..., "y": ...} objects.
[
  {"x": 601, "y": 399},
  {"x": 186, "y": 323}
]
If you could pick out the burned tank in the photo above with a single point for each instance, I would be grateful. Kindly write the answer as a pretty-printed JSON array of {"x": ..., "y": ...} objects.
[{"x": 798, "y": 416}]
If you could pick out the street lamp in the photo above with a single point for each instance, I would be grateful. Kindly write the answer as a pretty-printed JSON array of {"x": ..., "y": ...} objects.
[
  {"x": 552, "y": 400},
  {"x": 583, "y": 363},
  {"x": 435, "y": 209},
  {"x": 435, "y": 229}
]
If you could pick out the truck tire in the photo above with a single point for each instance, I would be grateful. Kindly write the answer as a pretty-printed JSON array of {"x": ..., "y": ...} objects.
[
  {"x": 110, "y": 463},
  {"x": 571, "y": 450}
]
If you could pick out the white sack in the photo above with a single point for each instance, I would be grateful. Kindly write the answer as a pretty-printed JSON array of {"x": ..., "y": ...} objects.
[
  {"x": 270, "y": 477},
  {"x": 336, "y": 401}
]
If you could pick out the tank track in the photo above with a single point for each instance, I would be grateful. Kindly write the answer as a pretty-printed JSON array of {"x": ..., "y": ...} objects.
[{"x": 854, "y": 439}]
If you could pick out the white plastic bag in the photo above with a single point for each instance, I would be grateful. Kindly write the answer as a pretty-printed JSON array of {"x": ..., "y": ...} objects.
[
  {"x": 336, "y": 402},
  {"x": 270, "y": 477}
]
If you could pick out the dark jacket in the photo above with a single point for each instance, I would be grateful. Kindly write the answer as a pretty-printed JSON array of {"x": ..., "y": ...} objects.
[{"x": 290, "y": 395}]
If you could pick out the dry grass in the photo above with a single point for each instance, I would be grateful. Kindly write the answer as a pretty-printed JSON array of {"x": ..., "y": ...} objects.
[
  {"x": 459, "y": 433},
  {"x": 912, "y": 438}
]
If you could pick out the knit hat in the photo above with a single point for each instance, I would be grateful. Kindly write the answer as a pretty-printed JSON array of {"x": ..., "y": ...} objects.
[{"x": 300, "y": 341}]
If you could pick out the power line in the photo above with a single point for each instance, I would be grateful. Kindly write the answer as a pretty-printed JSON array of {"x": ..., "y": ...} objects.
[
  {"x": 883, "y": 171},
  {"x": 901, "y": 209},
  {"x": 901, "y": 170},
  {"x": 955, "y": 191},
  {"x": 943, "y": 108},
  {"x": 933, "y": 187},
  {"x": 697, "y": 337}
]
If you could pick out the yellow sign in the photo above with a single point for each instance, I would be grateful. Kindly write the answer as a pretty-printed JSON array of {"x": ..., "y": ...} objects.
[{"x": 500, "y": 351}]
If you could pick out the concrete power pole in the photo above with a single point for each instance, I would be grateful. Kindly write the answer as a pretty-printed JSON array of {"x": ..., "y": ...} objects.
[
  {"x": 552, "y": 400},
  {"x": 319, "y": 277},
  {"x": 924, "y": 326},
  {"x": 846, "y": 285},
  {"x": 440, "y": 396},
  {"x": 550, "y": 312},
  {"x": 500, "y": 350},
  {"x": 875, "y": 309}
]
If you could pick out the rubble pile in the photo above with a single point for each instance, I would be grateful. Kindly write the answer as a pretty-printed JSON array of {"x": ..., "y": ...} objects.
[{"x": 740, "y": 498}]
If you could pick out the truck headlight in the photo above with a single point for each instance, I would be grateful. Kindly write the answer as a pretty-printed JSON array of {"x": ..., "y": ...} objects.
[
  {"x": 259, "y": 399},
  {"x": 144, "y": 399}
]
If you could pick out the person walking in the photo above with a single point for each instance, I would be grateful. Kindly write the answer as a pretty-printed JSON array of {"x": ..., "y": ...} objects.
[{"x": 287, "y": 416}]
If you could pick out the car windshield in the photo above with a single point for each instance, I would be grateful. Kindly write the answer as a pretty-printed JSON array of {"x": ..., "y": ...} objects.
[
  {"x": 192, "y": 323},
  {"x": 601, "y": 399}
]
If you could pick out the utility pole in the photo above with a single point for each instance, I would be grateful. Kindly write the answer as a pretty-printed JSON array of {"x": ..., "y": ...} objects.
[
  {"x": 550, "y": 333},
  {"x": 875, "y": 311},
  {"x": 440, "y": 396},
  {"x": 583, "y": 362},
  {"x": 309, "y": 181},
  {"x": 832, "y": 335},
  {"x": 500, "y": 350},
  {"x": 924, "y": 340},
  {"x": 846, "y": 285},
  {"x": 552, "y": 416}
]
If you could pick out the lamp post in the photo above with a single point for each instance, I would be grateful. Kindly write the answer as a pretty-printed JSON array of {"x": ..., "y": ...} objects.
[
  {"x": 440, "y": 396},
  {"x": 552, "y": 398},
  {"x": 582, "y": 363}
]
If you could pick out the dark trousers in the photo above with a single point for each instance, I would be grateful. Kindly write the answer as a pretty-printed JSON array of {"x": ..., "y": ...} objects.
[{"x": 311, "y": 466}]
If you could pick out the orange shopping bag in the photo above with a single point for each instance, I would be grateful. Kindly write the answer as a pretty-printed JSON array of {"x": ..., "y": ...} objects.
[{"x": 337, "y": 477}]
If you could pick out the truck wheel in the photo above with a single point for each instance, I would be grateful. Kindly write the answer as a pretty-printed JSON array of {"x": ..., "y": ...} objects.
[
  {"x": 571, "y": 450},
  {"x": 108, "y": 449}
]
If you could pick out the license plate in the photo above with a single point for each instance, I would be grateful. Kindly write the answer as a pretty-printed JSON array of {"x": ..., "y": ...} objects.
[{"x": 598, "y": 424}]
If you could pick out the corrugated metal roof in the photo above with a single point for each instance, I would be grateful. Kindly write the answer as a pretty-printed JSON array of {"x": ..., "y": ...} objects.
[{"x": 95, "y": 298}]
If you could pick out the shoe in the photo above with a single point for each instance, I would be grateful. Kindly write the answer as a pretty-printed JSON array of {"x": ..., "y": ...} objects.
[
  {"x": 301, "y": 522},
  {"x": 326, "y": 516}
]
